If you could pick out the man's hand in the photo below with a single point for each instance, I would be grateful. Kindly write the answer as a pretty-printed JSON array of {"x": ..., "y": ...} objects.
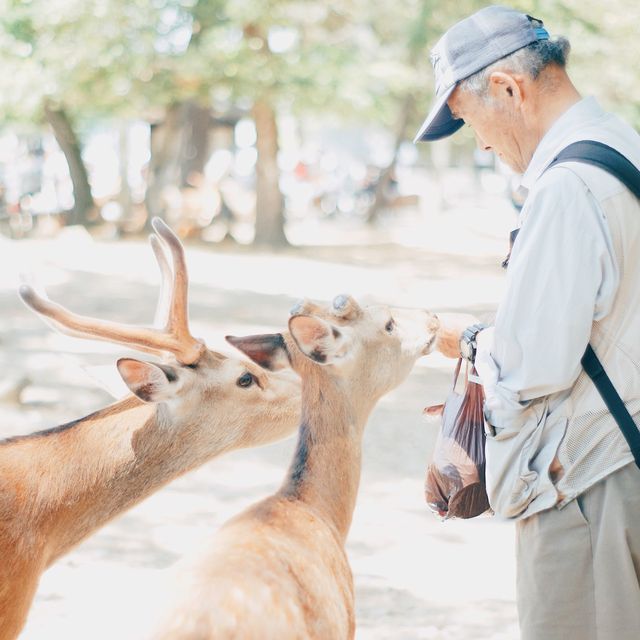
[{"x": 452, "y": 325}]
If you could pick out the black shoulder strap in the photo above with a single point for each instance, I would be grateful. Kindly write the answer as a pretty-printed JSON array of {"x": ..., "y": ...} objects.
[
  {"x": 612, "y": 161},
  {"x": 604, "y": 157},
  {"x": 599, "y": 155},
  {"x": 594, "y": 369}
]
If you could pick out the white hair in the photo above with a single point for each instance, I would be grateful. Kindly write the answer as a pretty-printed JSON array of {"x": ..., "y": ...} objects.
[{"x": 529, "y": 60}]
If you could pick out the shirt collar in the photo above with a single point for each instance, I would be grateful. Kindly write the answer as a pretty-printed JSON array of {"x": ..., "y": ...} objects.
[{"x": 565, "y": 129}]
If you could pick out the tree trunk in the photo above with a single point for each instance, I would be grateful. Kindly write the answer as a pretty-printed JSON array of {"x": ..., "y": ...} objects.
[
  {"x": 380, "y": 199},
  {"x": 179, "y": 151},
  {"x": 123, "y": 156},
  {"x": 269, "y": 201},
  {"x": 84, "y": 208},
  {"x": 164, "y": 165},
  {"x": 197, "y": 122}
]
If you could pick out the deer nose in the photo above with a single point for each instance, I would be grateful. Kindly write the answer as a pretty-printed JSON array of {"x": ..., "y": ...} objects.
[
  {"x": 481, "y": 144},
  {"x": 433, "y": 322}
]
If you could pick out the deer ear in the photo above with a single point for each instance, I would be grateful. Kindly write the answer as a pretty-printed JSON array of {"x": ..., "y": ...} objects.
[
  {"x": 269, "y": 350},
  {"x": 150, "y": 382},
  {"x": 317, "y": 339}
]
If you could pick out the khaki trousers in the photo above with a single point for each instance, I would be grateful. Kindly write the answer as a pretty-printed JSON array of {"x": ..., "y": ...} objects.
[{"x": 578, "y": 568}]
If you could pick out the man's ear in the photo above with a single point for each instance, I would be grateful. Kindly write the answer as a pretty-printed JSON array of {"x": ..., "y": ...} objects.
[
  {"x": 150, "y": 382},
  {"x": 269, "y": 350},
  {"x": 319, "y": 340},
  {"x": 505, "y": 86}
]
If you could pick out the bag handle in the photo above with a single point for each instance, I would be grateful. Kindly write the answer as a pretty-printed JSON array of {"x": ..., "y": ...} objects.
[{"x": 456, "y": 373}]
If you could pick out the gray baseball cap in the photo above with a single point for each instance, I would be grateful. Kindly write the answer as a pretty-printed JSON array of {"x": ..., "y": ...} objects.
[{"x": 469, "y": 46}]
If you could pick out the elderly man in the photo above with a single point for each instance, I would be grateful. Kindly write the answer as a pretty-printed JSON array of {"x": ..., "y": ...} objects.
[{"x": 557, "y": 462}]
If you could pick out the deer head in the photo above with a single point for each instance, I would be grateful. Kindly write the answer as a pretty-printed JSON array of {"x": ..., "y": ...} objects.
[
  {"x": 372, "y": 348},
  {"x": 190, "y": 382}
]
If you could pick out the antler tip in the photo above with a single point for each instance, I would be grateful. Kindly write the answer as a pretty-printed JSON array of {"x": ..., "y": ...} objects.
[
  {"x": 159, "y": 225},
  {"x": 345, "y": 306},
  {"x": 27, "y": 293},
  {"x": 298, "y": 308},
  {"x": 167, "y": 234}
]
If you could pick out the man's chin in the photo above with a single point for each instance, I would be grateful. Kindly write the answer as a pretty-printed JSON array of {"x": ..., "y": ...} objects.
[{"x": 514, "y": 165}]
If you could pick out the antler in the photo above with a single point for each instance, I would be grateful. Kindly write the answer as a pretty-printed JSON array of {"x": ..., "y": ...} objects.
[
  {"x": 174, "y": 338},
  {"x": 166, "y": 275}
]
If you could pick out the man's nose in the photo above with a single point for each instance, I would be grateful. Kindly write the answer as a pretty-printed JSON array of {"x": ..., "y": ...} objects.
[{"x": 482, "y": 145}]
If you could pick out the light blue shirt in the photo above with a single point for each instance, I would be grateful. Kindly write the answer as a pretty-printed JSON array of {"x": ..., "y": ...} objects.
[{"x": 562, "y": 273}]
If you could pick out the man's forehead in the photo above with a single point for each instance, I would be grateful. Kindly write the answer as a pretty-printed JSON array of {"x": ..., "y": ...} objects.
[{"x": 463, "y": 102}]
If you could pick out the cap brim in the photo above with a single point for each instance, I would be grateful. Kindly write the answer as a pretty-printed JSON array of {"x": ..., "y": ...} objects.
[{"x": 439, "y": 123}]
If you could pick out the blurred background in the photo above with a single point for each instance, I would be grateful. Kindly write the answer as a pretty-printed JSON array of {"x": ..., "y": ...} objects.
[
  {"x": 244, "y": 120},
  {"x": 275, "y": 138}
]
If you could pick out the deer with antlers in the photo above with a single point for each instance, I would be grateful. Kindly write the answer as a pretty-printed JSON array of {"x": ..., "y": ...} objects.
[
  {"x": 58, "y": 486},
  {"x": 279, "y": 569}
]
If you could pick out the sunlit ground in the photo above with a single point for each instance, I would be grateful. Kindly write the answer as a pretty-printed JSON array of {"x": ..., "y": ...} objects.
[{"x": 415, "y": 577}]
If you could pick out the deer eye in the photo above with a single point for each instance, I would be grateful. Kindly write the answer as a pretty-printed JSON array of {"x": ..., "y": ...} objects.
[
  {"x": 390, "y": 325},
  {"x": 245, "y": 380}
]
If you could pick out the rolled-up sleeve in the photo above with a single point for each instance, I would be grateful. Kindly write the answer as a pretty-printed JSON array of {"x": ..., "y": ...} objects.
[{"x": 562, "y": 276}]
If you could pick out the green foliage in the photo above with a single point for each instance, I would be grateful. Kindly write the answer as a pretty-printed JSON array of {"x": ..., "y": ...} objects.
[
  {"x": 604, "y": 47},
  {"x": 350, "y": 58}
]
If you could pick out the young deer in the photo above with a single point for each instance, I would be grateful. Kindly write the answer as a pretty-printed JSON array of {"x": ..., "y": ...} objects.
[
  {"x": 58, "y": 486},
  {"x": 279, "y": 569}
]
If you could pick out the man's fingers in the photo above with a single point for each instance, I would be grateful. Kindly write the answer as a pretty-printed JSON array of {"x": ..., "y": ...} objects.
[{"x": 452, "y": 325}]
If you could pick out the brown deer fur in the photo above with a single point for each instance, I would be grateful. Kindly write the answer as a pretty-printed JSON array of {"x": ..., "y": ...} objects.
[
  {"x": 279, "y": 569},
  {"x": 59, "y": 486}
]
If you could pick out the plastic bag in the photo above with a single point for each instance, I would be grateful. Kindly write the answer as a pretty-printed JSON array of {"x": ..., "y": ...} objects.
[{"x": 455, "y": 483}]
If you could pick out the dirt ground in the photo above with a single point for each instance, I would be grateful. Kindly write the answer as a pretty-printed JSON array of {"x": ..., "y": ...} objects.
[{"x": 416, "y": 577}]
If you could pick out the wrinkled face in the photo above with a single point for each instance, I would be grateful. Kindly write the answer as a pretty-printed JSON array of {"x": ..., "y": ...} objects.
[{"x": 496, "y": 122}]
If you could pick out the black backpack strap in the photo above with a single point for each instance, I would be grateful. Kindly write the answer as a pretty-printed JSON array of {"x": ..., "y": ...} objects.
[
  {"x": 594, "y": 369},
  {"x": 599, "y": 155},
  {"x": 604, "y": 157},
  {"x": 612, "y": 161}
]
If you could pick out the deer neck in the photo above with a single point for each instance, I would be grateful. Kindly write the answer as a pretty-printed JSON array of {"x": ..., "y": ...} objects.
[
  {"x": 325, "y": 471},
  {"x": 69, "y": 481}
]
